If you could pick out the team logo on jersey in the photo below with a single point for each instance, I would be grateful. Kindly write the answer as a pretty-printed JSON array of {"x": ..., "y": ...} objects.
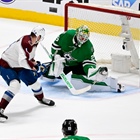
[
  {"x": 123, "y": 3},
  {"x": 68, "y": 57},
  {"x": 7, "y": 1}
]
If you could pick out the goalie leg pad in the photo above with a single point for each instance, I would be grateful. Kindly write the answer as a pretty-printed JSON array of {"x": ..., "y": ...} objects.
[
  {"x": 82, "y": 78},
  {"x": 109, "y": 84},
  {"x": 78, "y": 83},
  {"x": 112, "y": 83},
  {"x": 99, "y": 88}
]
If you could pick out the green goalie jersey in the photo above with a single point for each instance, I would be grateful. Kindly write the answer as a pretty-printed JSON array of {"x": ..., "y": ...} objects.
[
  {"x": 75, "y": 138},
  {"x": 66, "y": 46}
]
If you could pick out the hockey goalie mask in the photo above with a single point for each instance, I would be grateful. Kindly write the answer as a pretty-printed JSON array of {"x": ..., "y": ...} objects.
[
  {"x": 39, "y": 31},
  {"x": 82, "y": 34}
]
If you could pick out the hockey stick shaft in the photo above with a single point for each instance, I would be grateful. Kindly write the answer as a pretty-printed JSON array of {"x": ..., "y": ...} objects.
[{"x": 66, "y": 80}]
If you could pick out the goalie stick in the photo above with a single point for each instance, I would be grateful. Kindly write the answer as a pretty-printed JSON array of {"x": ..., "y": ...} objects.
[{"x": 66, "y": 80}]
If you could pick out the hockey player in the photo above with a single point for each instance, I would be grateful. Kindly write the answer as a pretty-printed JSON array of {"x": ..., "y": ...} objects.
[
  {"x": 69, "y": 130},
  {"x": 17, "y": 64},
  {"x": 78, "y": 53}
]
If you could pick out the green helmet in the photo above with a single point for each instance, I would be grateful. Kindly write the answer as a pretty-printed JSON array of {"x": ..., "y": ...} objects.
[{"x": 82, "y": 34}]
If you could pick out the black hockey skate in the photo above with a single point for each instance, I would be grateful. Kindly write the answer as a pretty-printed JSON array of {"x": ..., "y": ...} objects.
[
  {"x": 47, "y": 102},
  {"x": 121, "y": 88},
  {"x": 3, "y": 117}
]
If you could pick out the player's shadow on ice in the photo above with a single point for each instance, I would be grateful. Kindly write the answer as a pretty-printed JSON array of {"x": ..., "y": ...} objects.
[{"x": 24, "y": 115}]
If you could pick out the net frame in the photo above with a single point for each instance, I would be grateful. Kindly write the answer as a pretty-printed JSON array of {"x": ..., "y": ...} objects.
[{"x": 101, "y": 8}]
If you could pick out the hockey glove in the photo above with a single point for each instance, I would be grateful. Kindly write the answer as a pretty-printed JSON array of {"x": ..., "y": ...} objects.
[
  {"x": 42, "y": 69},
  {"x": 37, "y": 65}
]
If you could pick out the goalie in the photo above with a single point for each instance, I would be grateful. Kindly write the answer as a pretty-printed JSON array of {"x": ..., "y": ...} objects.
[{"x": 72, "y": 51}]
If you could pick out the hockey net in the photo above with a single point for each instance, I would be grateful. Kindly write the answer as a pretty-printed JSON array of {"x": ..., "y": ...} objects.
[{"x": 115, "y": 33}]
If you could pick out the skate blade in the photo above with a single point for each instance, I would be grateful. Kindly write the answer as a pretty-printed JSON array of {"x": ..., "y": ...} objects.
[{"x": 2, "y": 120}]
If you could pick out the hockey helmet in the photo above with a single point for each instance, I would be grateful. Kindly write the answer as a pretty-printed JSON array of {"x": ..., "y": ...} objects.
[
  {"x": 82, "y": 34},
  {"x": 39, "y": 31},
  {"x": 69, "y": 127}
]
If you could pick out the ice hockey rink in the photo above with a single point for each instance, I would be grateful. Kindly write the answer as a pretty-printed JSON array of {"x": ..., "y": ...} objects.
[{"x": 100, "y": 116}]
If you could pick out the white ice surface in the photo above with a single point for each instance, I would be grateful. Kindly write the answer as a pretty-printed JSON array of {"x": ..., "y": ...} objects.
[{"x": 100, "y": 116}]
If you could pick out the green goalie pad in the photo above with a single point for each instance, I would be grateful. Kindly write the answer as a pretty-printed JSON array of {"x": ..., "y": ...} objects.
[{"x": 86, "y": 80}]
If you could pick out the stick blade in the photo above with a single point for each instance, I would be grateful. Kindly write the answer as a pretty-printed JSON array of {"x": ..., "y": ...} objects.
[{"x": 80, "y": 91}]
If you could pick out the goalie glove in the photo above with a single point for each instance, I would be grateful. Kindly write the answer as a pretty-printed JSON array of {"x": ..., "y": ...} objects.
[{"x": 97, "y": 75}]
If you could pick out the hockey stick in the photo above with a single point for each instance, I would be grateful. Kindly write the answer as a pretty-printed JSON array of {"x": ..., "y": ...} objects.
[{"x": 66, "y": 81}]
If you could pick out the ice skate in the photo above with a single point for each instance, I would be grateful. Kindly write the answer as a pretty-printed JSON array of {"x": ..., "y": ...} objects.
[
  {"x": 47, "y": 102},
  {"x": 121, "y": 88},
  {"x": 3, "y": 117}
]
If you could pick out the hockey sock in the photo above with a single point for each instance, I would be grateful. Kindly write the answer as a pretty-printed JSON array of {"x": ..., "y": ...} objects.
[
  {"x": 3, "y": 103},
  {"x": 39, "y": 96},
  {"x": 7, "y": 97}
]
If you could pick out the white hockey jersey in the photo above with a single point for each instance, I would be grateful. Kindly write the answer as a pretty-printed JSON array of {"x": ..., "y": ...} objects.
[{"x": 20, "y": 54}]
